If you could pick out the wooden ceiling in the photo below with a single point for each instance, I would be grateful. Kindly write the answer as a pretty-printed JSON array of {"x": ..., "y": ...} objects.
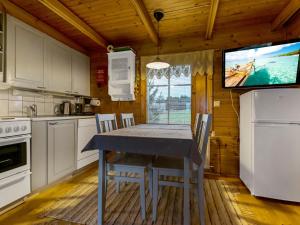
[{"x": 118, "y": 21}]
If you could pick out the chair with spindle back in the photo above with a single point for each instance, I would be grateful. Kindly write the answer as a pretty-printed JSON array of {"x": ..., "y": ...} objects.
[
  {"x": 124, "y": 163},
  {"x": 127, "y": 120},
  {"x": 167, "y": 166}
]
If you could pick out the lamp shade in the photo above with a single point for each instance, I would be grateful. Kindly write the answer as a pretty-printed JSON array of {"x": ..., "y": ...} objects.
[{"x": 158, "y": 64}]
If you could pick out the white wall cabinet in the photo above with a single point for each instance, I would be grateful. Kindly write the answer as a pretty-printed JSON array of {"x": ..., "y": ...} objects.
[
  {"x": 25, "y": 55},
  {"x": 58, "y": 64},
  {"x": 37, "y": 61},
  {"x": 121, "y": 73},
  {"x": 80, "y": 73}
]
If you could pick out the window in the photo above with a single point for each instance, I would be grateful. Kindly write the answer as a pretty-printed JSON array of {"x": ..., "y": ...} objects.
[{"x": 169, "y": 95}]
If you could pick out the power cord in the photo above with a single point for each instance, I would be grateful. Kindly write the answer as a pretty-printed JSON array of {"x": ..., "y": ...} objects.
[{"x": 234, "y": 109}]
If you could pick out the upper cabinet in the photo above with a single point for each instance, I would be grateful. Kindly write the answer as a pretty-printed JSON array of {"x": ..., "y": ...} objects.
[
  {"x": 80, "y": 73},
  {"x": 37, "y": 61},
  {"x": 2, "y": 45},
  {"x": 25, "y": 55},
  {"x": 121, "y": 73},
  {"x": 58, "y": 66}
]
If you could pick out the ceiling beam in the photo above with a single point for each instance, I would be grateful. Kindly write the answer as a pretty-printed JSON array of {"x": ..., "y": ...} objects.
[
  {"x": 211, "y": 18},
  {"x": 21, "y": 14},
  {"x": 146, "y": 19},
  {"x": 286, "y": 14},
  {"x": 66, "y": 14}
]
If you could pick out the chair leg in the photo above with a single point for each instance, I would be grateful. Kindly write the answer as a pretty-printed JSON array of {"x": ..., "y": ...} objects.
[
  {"x": 142, "y": 196},
  {"x": 118, "y": 182},
  {"x": 150, "y": 174},
  {"x": 155, "y": 194},
  {"x": 201, "y": 198},
  {"x": 186, "y": 193}
]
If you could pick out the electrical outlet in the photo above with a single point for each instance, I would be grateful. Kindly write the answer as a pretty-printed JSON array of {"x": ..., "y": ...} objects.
[{"x": 217, "y": 103}]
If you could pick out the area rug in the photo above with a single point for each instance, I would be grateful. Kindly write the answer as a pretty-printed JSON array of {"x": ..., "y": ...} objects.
[{"x": 79, "y": 206}]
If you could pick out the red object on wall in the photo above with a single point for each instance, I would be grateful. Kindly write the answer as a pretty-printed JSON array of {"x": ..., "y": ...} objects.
[{"x": 101, "y": 76}]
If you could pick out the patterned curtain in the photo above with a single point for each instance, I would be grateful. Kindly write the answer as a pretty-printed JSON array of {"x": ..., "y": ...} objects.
[
  {"x": 177, "y": 71},
  {"x": 196, "y": 63}
]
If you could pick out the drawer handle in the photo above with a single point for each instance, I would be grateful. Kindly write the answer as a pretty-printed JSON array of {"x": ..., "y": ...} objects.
[
  {"x": 53, "y": 123},
  {"x": 40, "y": 87}
]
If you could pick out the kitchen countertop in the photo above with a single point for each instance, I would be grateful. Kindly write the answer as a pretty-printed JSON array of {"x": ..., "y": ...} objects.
[
  {"x": 61, "y": 117},
  {"x": 46, "y": 117}
]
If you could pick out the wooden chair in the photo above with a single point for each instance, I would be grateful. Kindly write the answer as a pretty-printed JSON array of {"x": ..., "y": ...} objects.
[
  {"x": 124, "y": 163},
  {"x": 166, "y": 166},
  {"x": 127, "y": 120}
]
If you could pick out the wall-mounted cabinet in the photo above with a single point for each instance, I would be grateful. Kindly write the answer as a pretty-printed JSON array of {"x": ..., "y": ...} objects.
[
  {"x": 37, "y": 61},
  {"x": 25, "y": 55},
  {"x": 80, "y": 73},
  {"x": 2, "y": 44},
  {"x": 121, "y": 73},
  {"x": 58, "y": 67}
]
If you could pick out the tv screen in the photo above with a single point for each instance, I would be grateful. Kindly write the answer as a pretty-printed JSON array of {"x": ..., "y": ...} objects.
[{"x": 261, "y": 66}]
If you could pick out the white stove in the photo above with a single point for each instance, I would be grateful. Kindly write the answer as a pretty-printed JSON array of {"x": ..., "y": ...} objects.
[{"x": 15, "y": 135}]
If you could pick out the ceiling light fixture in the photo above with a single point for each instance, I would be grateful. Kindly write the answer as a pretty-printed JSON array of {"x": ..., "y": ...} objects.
[{"x": 158, "y": 64}]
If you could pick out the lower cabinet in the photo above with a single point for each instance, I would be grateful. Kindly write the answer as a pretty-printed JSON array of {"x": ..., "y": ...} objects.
[
  {"x": 53, "y": 151},
  {"x": 61, "y": 148}
]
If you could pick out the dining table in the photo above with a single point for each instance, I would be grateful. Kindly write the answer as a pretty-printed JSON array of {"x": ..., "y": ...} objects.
[{"x": 147, "y": 139}]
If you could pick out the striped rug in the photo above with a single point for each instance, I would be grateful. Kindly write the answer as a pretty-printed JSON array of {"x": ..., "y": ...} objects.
[{"x": 79, "y": 206}]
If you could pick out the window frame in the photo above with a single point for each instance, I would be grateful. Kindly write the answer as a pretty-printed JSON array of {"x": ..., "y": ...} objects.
[{"x": 169, "y": 91}]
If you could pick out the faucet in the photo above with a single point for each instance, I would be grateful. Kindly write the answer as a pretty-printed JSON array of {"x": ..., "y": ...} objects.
[{"x": 33, "y": 110}]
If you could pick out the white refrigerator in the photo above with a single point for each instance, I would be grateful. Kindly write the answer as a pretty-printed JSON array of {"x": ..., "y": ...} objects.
[{"x": 270, "y": 143}]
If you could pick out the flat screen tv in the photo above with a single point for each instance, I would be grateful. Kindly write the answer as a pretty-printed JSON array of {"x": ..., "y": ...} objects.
[{"x": 267, "y": 65}]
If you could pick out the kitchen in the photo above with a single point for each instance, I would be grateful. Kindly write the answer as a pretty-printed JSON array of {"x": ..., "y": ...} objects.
[{"x": 67, "y": 65}]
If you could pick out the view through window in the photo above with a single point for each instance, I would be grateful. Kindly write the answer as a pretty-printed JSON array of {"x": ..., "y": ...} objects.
[{"x": 169, "y": 96}]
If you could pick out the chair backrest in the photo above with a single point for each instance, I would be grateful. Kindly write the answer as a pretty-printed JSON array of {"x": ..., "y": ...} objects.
[
  {"x": 196, "y": 124},
  {"x": 202, "y": 136},
  {"x": 127, "y": 120},
  {"x": 106, "y": 122}
]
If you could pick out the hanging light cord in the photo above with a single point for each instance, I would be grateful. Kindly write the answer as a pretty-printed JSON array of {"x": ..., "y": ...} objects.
[{"x": 158, "y": 41}]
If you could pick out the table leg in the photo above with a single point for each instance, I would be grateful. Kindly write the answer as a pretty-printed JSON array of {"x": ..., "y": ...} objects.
[
  {"x": 101, "y": 187},
  {"x": 186, "y": 197}
]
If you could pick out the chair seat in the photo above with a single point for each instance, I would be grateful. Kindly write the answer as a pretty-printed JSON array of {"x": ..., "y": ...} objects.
[
  {"x": 131, "y": 160},
  {"x": 168, "y": 163}
]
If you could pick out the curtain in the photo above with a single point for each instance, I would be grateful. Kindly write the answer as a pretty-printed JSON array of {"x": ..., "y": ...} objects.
[{"x": 195, "y": 63}]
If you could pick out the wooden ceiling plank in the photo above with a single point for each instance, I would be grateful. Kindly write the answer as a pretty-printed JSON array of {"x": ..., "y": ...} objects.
[
  {"x": 146, "y": 19},
  {"x": 21, "y": 14},
  {"x": 66, "y": 14},
  {"x": 211, "y": 18},
  {"x": 286, "y": 14}
]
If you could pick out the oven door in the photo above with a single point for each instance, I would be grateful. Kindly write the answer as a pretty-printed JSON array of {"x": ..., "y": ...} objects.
[{"x": 14, "y": 155}]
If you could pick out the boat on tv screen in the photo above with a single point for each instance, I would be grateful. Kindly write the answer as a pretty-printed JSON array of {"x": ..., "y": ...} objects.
[{"x": 264, "y": 66}]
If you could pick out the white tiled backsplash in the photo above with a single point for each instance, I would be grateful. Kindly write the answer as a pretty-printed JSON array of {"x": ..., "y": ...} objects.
[{"x": 16, "y": 103}]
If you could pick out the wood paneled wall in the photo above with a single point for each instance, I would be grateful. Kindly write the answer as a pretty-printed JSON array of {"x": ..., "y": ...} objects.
[{"x": 225, "y": 143}]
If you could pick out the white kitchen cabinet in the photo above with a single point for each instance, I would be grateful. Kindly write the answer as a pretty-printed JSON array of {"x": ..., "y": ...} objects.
[
  {"x": 58, "y": 66},
  {"x": 61, "y": 148},
  {"x": 121, "y": 73},
  {"x": 25, "y": 55},
  {"x": 86, "y": 130},
  {"x": 37, "y": 61},
  {"x": 80, "y": 74}
]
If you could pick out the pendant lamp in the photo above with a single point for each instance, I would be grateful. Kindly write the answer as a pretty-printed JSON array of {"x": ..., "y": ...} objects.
[{"x": 158, "y": 64}]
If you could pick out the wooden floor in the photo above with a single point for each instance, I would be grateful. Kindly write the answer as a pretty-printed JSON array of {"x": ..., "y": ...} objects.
[{"x": 220, "y": 206}]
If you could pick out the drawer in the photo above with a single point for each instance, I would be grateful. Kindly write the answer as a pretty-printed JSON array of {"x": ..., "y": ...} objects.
[
  {"x": 87, "y": 122},
  {"x": 14, "y": 187}
]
